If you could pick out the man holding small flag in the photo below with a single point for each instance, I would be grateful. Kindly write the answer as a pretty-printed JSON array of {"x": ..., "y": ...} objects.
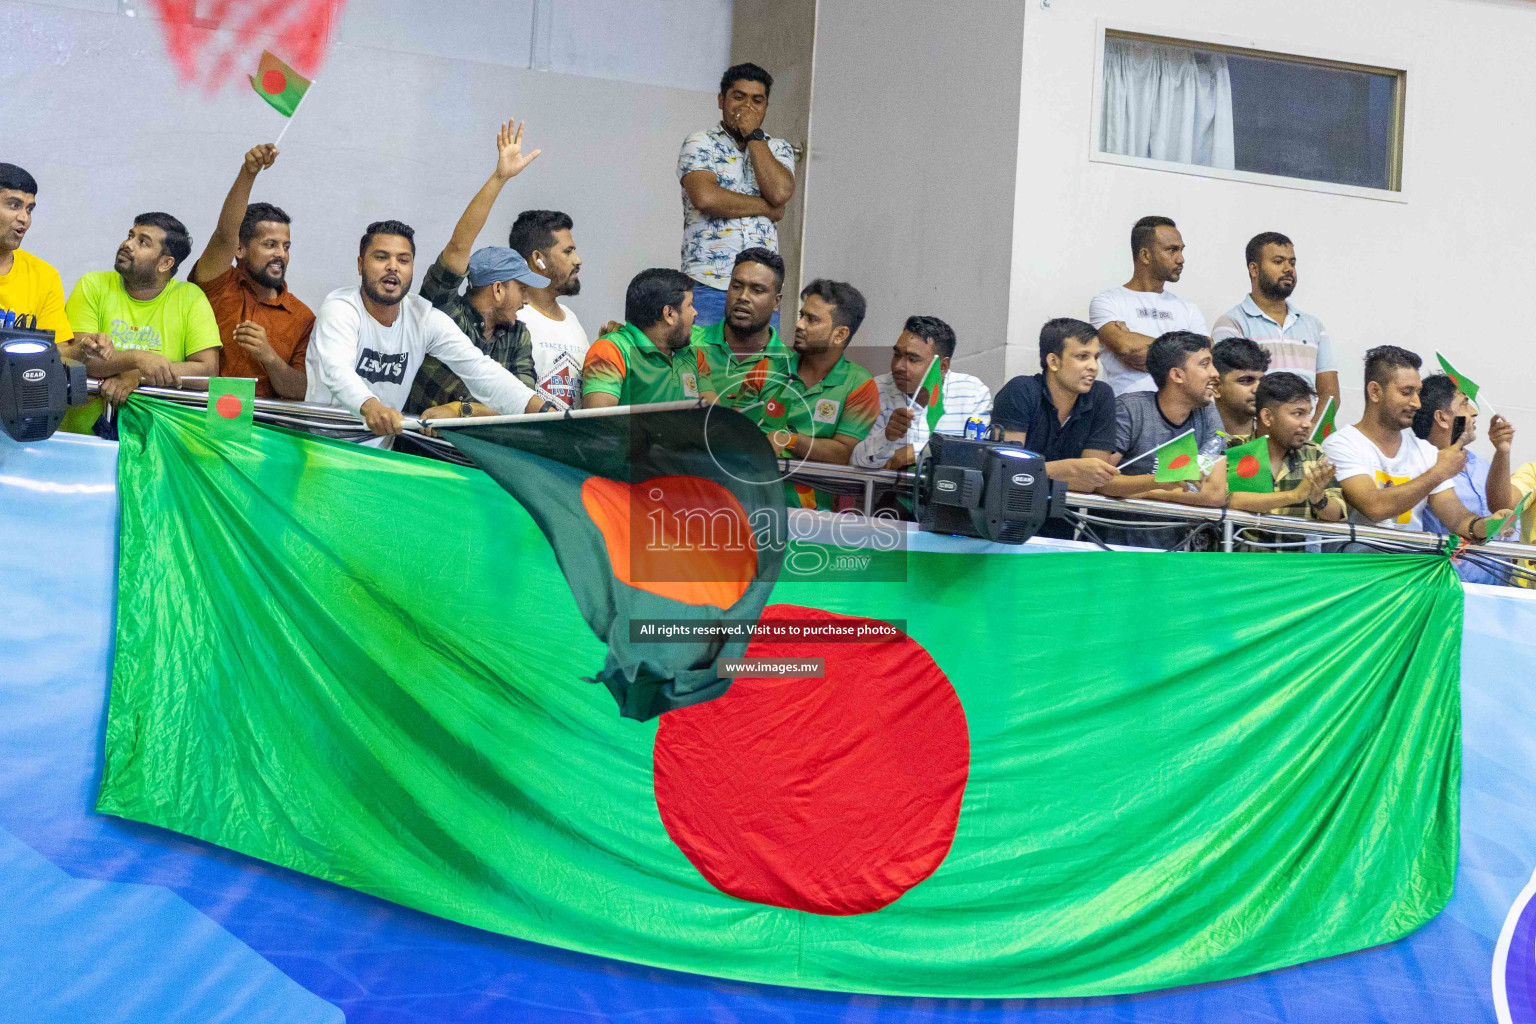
[
  {"x": 1281, "y": 471},
  {"x": 920, "y": 396},
  {"x": 1482, "y": 485}
]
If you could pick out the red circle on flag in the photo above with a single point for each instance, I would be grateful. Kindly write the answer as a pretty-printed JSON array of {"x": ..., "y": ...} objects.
[
  {"x": 1179, "y": 462},
  {"x": 228, "y": 406},
  {"x": 832, "y": 796},
  {"x": 1248, "y": 467},
  {"x": 774, "y": 408},
  {"x": 273, "y": 81}
]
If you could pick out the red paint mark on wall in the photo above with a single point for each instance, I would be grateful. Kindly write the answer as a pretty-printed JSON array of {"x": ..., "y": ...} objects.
[{"x": 223, "y": 43}]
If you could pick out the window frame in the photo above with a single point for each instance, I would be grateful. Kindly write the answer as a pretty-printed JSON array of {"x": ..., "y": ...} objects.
[{"x": 1402, "y": 116}]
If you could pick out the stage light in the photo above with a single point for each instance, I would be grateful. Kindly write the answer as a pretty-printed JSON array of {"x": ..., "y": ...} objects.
[
  {"x": 36, "y": 386},
  {"x": 992, "y": 489}
]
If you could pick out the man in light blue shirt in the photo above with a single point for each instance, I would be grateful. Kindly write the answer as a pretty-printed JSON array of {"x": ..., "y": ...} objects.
[{"x": 1484, "y": 487}]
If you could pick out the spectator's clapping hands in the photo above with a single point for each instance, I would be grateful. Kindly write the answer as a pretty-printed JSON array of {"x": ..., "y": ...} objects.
[{"x": 1314, "y": 480}]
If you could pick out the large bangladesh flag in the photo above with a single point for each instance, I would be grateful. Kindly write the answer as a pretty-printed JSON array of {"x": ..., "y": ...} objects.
[{"x": 367, "y": 667}]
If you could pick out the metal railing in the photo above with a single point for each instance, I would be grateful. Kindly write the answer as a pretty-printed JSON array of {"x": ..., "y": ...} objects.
[{"x": 866, "y": 485}]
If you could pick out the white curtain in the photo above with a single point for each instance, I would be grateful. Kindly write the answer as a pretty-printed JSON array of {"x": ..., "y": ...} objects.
[{"x": 1167, "y": 103}]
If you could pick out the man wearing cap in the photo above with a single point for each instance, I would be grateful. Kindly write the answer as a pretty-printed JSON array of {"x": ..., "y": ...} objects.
[{"x": 487, "y": 311}]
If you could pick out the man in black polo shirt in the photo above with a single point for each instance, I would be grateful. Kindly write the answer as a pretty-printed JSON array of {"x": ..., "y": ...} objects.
[{"x": 1064, "y": 413}]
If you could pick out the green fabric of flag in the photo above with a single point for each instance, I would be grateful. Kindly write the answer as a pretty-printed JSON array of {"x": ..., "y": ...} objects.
[
  {"x": 930, "y": 393},
  {"x": 231, "y": 405},
  {"x": 1178, "y": 459},
  {"x": 1248, "y": 467},
  {"x": 1324, "y": 427},
  {"x": 653, "y": 515},
  {"x": 278, "y": 84},
  {"x": 1464, "y": 384},
  {"x": 367, "y": 667},
  {"x": 1496, "y": 525}
]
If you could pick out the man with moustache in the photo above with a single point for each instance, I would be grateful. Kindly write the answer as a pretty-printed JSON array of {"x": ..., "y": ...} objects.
[
  {"x": 1064, "y": 413},
  {"x": 746, "y": 340},
  {"x": 1296, "y": 342},
  {"x": 161, "y": 329},
  {"x": 243, "y": 271},
  {"x": 370, "y": 340},
  {"x": 1304, "y": 484},
  {"x": 1389, "y": 475},
  {"x": 560, "y": 343},
  {"x": 1129, "y": 318},
  {"x": 1242, "y": 365},
  {"x": 901, "y": 429},
  {"x": 736, "y": 180},
  {"x": 650, "y": 358},
  {"x": 487, "y": 312}
]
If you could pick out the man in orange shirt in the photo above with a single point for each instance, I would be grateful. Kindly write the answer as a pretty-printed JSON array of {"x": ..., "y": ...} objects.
[{"x": 265, "y": 330}]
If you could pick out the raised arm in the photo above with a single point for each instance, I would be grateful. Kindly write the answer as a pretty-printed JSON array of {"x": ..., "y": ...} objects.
[
  {"x": 510, "y": 162},
  {"x": 1501, "y": 489},
  {"x": 219, "y": 253}
]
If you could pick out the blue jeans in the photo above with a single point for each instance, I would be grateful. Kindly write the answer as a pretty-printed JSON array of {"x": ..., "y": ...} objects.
[{"x": 710, "y": 303}]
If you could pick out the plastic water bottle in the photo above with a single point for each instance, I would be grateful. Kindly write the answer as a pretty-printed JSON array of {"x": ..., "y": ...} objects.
[{"x": 975, "y": 429}]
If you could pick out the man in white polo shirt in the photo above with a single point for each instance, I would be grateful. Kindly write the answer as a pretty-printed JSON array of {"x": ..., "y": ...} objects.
[
  {"x": 1296, "y": 341},
  {"x": 1134, "y": 315},
  {"x": 1388, "y": 474}
]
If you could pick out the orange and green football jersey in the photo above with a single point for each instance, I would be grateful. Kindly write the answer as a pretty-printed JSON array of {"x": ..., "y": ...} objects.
[
  {"x": 627, "y": 365},
  {"x": 843, "y": 403},
  {"x": 729, "y": 371}
]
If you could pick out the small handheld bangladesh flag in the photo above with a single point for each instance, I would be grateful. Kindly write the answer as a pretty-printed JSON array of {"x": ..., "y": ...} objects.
[
  {"x": 930, "y": 392},
  {"x": 1325, "y": 426},
  {"x": 1178, "y": 459},
  {"x": 775, "y": 412},
  {"x": 231, "y": 401},
  {"x": 1496, "y": 526},
  {"x": 1464, "y": 384},
  {"x": 1248, "y": 467},
  {"x": 279, "y": 84}
]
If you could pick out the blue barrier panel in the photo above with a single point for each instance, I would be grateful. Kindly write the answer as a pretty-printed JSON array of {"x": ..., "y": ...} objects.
[{"x": 106, "y": 920}]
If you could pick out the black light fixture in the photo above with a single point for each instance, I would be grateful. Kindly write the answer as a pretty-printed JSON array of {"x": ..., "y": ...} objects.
[
  {"x": 36, "y": 386},
  {"x": 997, "y": 490}
]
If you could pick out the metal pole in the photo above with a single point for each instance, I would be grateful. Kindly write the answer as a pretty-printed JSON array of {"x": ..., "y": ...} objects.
[{"x": 564, "y": 414}]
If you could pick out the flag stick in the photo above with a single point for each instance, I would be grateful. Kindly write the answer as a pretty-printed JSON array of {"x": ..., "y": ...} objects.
[{"x": 1154, "y": 451}]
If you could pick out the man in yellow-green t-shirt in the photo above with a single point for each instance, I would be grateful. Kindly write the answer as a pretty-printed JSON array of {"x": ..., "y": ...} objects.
[{"x": 161, "y": 329}]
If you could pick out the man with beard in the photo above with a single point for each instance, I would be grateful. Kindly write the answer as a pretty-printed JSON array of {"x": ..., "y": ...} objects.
[
  {"x": 650, "y": 358},
  {"x": 370, "y": 340},
  {"x": 560, "y": 344},
  {"x": 1304, "y": 484},
  {"x": 746, "y": 340},
  {"x": 736, "y": 180},
  {"x": 161, "y": 329},
  {"x": 1390, "y": 475},
  {"x": 1129, "y": 318},
  {"x": 1242, "y": 365},
  {"x": 264, "y": 328},
  {"x": 487, "y": 312},
  {"x": 1064, "y": 413},
  {"x": 1295, "y": 341},
  {"x": 901, "y": 429}
]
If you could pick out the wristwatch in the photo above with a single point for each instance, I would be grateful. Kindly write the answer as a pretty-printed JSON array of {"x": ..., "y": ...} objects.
[
  {"x": 466, "y": 410},
  {"x": 758, "y": 135},
  {"x": 782, "y": 439}
]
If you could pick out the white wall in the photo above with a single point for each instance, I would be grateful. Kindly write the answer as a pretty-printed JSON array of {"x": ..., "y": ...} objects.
[
  {"x": 909, "y": 188},
  {"x": 400, "y": 123},
  {"x": 1446, "y": 269}
]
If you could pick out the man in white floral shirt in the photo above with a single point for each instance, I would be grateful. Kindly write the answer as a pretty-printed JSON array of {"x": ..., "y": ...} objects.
[{"x": 736, "y": 181}]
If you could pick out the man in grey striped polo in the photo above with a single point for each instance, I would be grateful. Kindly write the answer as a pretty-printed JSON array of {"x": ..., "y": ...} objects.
[{"x": 1296, "y": 342}]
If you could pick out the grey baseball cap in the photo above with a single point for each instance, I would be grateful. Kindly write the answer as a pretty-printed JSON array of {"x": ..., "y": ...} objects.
[{"x": 498, "y": 263}]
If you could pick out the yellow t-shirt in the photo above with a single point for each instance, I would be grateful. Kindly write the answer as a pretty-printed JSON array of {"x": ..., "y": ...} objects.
[
  {"x": 33, "y": 287},
  {"x": 1524, "y": 481},
  {"x": 175, "y": 324}
]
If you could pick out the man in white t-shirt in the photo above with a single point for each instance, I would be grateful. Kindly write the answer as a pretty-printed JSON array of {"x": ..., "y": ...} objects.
[
  {"x": 1388, "y": 474},
  {"x": 1134, "y": 315},
  {"x": 369, "y": 341},
  {"x": 559, "y": 342}
]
